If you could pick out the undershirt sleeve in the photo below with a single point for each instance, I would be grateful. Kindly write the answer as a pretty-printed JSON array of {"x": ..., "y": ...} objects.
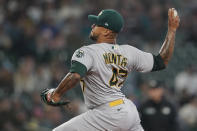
[
  {"x": 77, "y": 67},
  {"x": 158, "y": 63}
]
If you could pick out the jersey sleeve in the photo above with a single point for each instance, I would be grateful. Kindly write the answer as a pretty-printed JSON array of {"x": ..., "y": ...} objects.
[
  {"x": 81, "y": 61},
  {"x": 139, "y": 60}
]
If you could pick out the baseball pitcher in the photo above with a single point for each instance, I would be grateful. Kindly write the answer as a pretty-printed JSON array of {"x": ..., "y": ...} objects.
[{"x": 102, "y": 68}]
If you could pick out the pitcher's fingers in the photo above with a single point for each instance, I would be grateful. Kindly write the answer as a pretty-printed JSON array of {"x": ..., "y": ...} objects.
[
  {"x": 177, "y": 19},
  {"x": 172, "y": 13},
  {"x": 169, "y": 13}
]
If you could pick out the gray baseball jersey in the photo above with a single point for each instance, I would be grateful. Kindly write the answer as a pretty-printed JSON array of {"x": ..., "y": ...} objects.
[{"x": 107, "y": 68}]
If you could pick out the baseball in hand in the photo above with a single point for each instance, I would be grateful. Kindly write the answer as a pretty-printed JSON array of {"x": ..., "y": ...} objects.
[{"x": 175, "y": 13}]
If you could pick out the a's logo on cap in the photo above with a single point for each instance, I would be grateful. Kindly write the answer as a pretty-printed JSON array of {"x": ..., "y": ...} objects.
[
  {"x": 100, "y": 13},
  {"x": 106, "y": 24}
]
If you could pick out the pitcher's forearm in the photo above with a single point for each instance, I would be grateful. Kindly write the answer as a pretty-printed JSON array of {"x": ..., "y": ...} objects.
[
  {"x": 69, "y": 81},
  {"x": 167, "y": 48}
]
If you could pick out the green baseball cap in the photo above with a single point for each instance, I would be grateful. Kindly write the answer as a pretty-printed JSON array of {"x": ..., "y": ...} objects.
[{"x": 109, "y": 19}]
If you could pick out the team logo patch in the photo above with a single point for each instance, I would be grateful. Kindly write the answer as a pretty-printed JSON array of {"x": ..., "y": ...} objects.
[{"x": 79, "y": 53}]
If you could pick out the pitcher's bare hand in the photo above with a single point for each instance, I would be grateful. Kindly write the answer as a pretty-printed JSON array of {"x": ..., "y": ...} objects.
[{"x": 173, "y": 20}]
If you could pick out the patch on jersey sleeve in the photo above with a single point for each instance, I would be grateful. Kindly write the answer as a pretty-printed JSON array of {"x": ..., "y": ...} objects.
[{"x": 79, "y": 53}]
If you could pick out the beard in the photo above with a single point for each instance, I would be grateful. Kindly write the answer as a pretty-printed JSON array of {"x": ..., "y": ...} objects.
[{"x": 93, "y": 37}]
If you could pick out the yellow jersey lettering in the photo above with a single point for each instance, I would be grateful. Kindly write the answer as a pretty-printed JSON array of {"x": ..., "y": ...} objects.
[
  {"x": 112, "y": 58},
  {"x": 118, "y": 59},
  {"x": 124, "y": 62},
  {"x": 106, "y": 58}
]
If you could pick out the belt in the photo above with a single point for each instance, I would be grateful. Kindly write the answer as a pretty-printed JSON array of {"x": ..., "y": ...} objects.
[
  {"x": 116, "y": 102},
  {"x": 110, "y": 104}
]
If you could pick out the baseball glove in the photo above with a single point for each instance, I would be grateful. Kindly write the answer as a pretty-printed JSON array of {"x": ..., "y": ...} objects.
[{"x": 44, "y": 94}]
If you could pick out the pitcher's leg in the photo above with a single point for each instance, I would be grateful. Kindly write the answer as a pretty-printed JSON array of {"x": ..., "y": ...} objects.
[
  {"x": 136, "y": 126},
  {"x": 78, "y": 123}
]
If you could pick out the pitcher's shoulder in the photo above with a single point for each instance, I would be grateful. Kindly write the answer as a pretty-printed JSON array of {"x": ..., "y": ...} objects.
[
  {"x": 91, "y": 45},
  {"x": 88, "y": 48},
  {"x": 128, "y": 47},
  {"x": 94, "y": 46}
]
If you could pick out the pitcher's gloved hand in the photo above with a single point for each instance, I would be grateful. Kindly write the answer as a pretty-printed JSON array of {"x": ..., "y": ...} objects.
[{"x": 46, "y": 98}]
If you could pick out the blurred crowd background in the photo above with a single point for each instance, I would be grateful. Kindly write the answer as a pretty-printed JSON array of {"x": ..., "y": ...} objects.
[{"x": 38, "y": 38}]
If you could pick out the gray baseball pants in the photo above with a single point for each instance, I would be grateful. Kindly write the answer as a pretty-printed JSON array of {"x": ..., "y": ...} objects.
[{"x": 122, "y": 117}]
